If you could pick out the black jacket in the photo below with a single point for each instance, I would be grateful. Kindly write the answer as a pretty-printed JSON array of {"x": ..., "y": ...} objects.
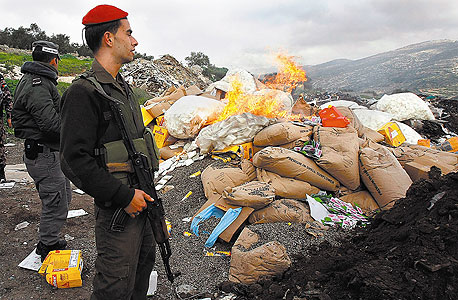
[
  {"x": 87, "y": 124},
  {"x": 36, "y": 105}
]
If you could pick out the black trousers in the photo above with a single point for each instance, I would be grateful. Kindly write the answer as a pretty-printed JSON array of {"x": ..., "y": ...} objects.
[{"x": 124, "y": 259}]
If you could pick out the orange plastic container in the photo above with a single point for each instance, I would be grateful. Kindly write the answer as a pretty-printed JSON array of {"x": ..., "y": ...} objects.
[
  {"x": 331, "y": 117},
  {"x": 450, "y": 145},
  {"x": 424, "y": 142}
]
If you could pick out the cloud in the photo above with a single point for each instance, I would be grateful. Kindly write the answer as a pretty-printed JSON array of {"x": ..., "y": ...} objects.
[{"x": 242, "y": 33}]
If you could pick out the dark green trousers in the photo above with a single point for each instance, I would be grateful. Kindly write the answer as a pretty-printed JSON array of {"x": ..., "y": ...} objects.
[{"x": 124, "y": 259}]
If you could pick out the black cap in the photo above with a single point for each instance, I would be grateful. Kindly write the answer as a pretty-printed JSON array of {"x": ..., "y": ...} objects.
[{"x": 45, "y": 46}]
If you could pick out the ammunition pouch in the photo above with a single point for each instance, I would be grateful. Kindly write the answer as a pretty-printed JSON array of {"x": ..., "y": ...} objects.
[
  {"x": 153, "y": 150},
  {"x": 117, "y": 159}
]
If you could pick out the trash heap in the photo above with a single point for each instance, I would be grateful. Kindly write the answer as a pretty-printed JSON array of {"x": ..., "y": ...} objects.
[
  {"x": 334, "y": 165},
  {"x": 408, "y": 252},
  {"x": 159, "y": 75}
]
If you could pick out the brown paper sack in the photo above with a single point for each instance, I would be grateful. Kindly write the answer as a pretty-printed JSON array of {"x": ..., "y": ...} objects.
[
  {"x": 383, "y": 175},
  {"x": 297, "y": 143},
  {"x": 288, "y": 163},
  {"x": 286, "y": 187},
  {"x": 354, "y": 121},
  {"x": 284, "y": 210},
  {"x": 409, "y": 153},
  {"x": 215, "y": 180},
  {"x": 363, "y": 199},
  {"x": 363, "y": 131},
  {"x": 264, "y": 261},
  {"x": 281, "y": 133},
  {"x": 340, "y": 148},
  {"x": 167, "y": 152},
  {"x": 248, "y": 168},
  {"x": 253, "y": 194},
  {"x": 301, "y": 107}
]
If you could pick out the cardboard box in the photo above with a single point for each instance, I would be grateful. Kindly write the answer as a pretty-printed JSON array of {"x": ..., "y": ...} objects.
[
  {"x": 62, "y": 268},
  {"x": 162, "y": 137},
  {"x": 229, "y": 232},
  {"x": 392, "y": 133},
  {"x": 158, "y": 108},
  {"x": 160, "y": 120},
  {"x": 419, "y": 168}
]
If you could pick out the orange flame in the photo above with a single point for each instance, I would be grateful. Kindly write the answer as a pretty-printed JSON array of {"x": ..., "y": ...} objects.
[
  {"x": 289, "y": 75},
  {"x": 268, "y": 105},
  {"x": 239, "y": 102}
]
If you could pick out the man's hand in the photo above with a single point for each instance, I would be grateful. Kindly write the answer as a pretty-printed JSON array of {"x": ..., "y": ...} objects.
[
  {"x": 138, "y": 203},
  {"x": 9, "y": 123}
]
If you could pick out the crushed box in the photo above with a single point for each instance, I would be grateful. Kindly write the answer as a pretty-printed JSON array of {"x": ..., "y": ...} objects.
[
  {"x": 392, "y": 133},
  {"x": 62, "y": 268}
]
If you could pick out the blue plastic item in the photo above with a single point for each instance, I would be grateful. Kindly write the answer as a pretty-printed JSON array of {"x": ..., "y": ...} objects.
[
  {"x": 210, "y": 211},
  {"x": 226, "y": 220}
]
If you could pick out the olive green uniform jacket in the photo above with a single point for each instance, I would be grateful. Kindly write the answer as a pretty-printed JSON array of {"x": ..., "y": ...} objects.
[{"x": 87, "y": 124}]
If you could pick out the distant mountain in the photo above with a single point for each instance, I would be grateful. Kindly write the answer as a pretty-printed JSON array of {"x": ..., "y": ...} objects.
[{"x": 429, "y": 67}]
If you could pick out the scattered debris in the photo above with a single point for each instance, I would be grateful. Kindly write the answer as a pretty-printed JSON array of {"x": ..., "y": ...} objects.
[{"x": 21, "y": 225}]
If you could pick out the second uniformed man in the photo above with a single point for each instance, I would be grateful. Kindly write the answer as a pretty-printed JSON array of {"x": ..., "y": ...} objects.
[{"x": 35, "y": 119}]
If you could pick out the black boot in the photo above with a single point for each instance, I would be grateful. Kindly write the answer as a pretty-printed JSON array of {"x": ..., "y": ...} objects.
[
  {"x": 2, "y": 173},
  {"x": 43, "y": 249}
]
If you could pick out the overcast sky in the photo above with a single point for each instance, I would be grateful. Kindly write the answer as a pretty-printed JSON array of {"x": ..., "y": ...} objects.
[{"x": 243, "y": 34}]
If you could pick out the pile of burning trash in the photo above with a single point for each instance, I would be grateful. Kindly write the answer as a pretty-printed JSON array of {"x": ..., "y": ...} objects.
[{"x": 336, "y": 164}]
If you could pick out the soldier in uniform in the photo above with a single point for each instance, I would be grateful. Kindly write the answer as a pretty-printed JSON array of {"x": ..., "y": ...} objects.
[
  {"x": 36, "y": 119},
  {"x": 91, "y": 140},
  {"x": 6, "y": 103}
]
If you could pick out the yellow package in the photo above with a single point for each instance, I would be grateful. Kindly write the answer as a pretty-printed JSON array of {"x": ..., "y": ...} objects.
[
  {"x": 392, "y": 133},
  {"x": 245, "y": 150},
  {"x": 62, "y": 268},
  {"x": 160, "y": 135}
]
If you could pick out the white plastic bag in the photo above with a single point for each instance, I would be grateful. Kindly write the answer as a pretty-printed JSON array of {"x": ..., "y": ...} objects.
[
  {"x": 373, "y": 119},
  {"x": 409, "y": 133},
  {"x": 246, "y": 79},
  {"x": 405, "y": 106},
  {"x": 188, "y": 115},
  {"x": 235, "y": 130},
  {"x": 345, "y": 103}
]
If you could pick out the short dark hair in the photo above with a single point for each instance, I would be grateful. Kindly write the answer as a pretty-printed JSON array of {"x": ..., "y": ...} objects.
[
  {"x": 94, "y": 33},
  {"x": 43, "y": 56}
]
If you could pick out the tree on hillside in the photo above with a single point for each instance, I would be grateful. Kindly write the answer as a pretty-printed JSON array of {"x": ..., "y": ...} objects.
[
  {"x": 198, "y": 58},
  {"x": 209, "y": 70}
]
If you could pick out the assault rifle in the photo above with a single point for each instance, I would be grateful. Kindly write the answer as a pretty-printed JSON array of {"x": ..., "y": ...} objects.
[{"x": 145, "y": 176}]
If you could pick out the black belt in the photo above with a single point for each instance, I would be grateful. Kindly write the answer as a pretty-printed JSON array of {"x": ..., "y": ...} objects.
[{"x": 41, "y": 149}]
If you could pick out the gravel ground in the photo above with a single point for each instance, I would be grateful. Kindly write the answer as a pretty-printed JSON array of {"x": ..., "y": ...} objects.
[{"x": 188, "y": 253}]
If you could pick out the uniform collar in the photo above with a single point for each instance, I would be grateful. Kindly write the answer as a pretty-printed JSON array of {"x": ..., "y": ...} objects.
[
  {"x": 103, "y": 76},
  {"x": 100, "y": 73}
]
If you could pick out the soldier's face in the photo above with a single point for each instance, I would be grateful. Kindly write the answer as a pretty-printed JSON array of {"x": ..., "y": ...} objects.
[{"x": 124, "y": 43}]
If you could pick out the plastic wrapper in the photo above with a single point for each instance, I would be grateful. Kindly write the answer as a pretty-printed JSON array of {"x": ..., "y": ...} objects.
[
  {"x": 189, "y": 114},
  {"x": 248, "y": 81},
  {"x": 235, "y": 130}
]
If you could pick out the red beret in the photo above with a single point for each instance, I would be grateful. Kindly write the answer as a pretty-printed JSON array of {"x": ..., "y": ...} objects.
[{"x": 103, "y": 13}]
